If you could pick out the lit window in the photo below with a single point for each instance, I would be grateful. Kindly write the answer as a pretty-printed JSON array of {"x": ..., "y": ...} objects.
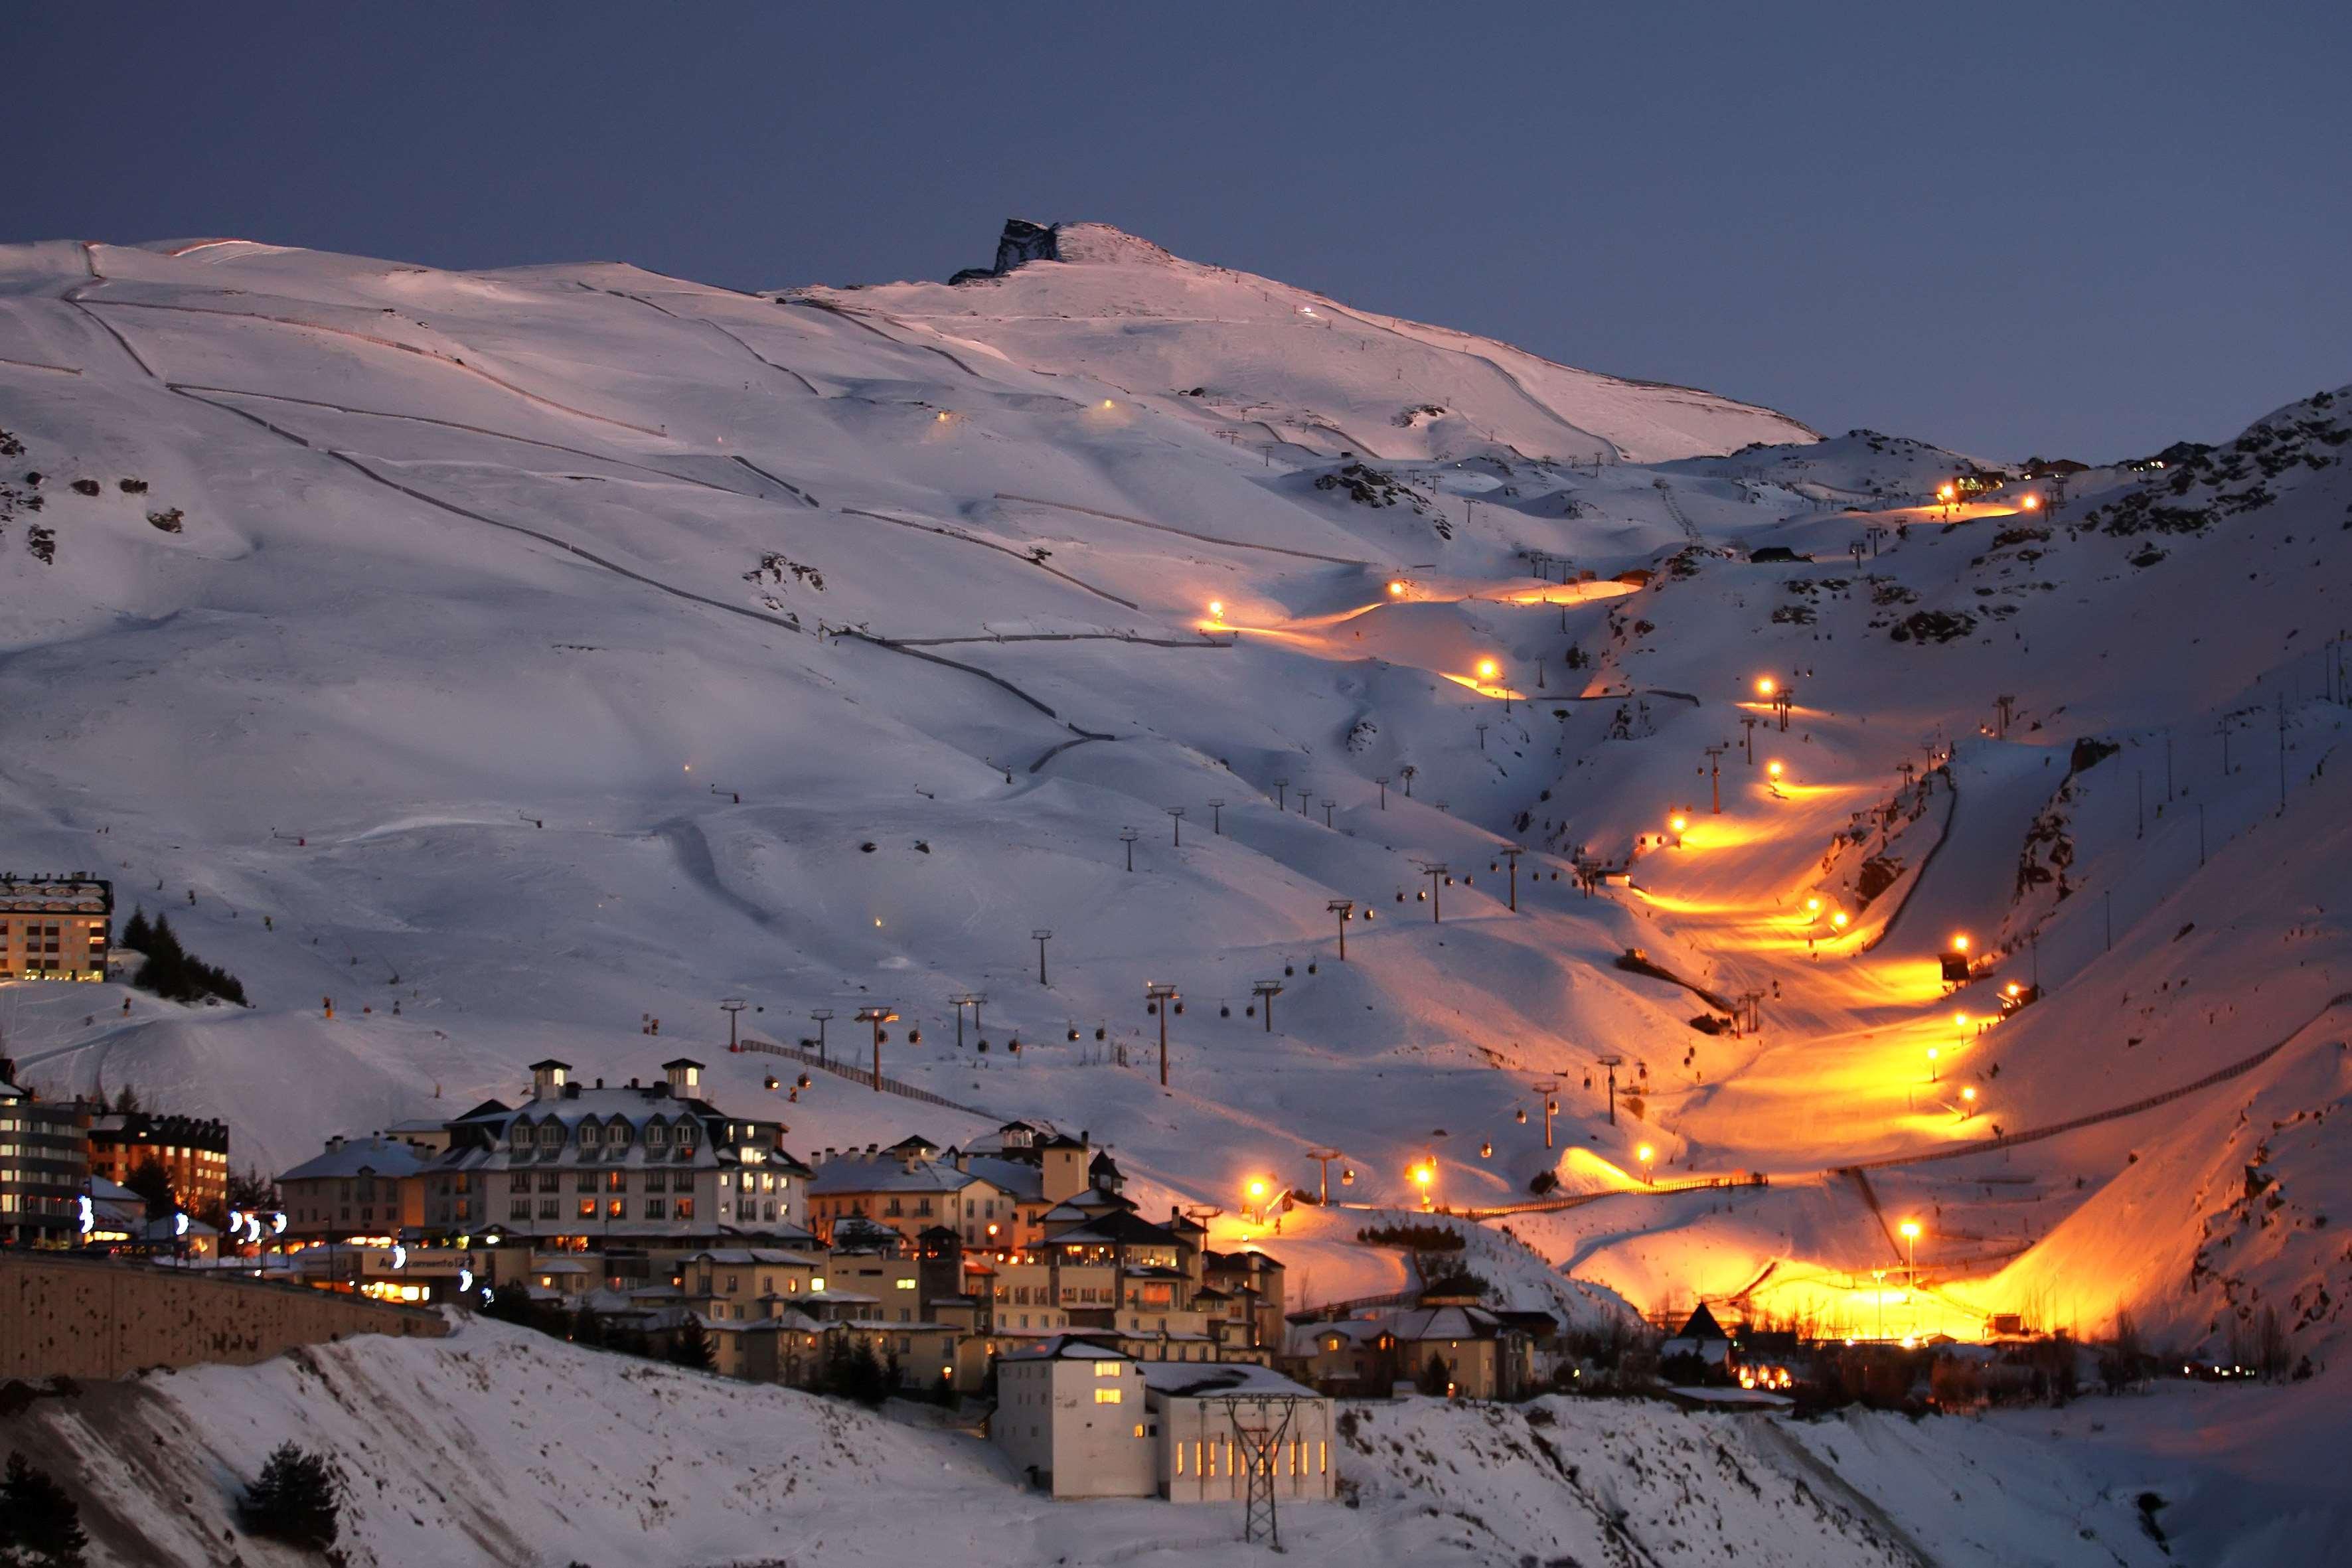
[
  {"x": 1138, "y": 1429},
  {"x": 1106, "y": 1369},
  {"x": 1107, "y": 1396}
]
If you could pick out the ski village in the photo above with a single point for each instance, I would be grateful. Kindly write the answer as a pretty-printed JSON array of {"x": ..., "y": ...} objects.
[{"x": 1116, "y": 912}]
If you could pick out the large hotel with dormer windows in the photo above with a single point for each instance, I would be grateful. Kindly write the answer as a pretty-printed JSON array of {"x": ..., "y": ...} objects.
[{"x": 581, "y": 1166}]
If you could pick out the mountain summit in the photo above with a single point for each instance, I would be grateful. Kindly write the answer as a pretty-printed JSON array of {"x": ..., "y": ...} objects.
[{"x": 1269, "y": 361}]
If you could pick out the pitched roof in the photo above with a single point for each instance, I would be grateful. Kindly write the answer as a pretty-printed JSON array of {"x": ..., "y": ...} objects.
[
  {"x": 386, "y": 1157},
  {"x": 886, "y": 1173},
  {"x": 1219, "y": 1380},
  {"x": 1702, "y": 1326},
  {"x": 1065, "y": 1347},
  {"x": 1115, "y": 1228}
]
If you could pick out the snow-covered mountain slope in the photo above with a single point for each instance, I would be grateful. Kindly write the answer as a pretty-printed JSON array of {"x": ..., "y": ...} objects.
[
  {"x": 570, "y": 1456},
  {"x": 548, "y": 650},
  {"x": 1258, "y": 361}
]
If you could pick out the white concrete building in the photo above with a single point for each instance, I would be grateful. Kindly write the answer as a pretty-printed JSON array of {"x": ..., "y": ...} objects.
[
  {"x": 1071, "y": 1415},
  {"x": 1208, "y": 1420}
]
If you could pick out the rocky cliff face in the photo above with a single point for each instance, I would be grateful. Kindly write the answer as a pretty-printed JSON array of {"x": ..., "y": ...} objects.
[{"x": 1021, "y": 241}]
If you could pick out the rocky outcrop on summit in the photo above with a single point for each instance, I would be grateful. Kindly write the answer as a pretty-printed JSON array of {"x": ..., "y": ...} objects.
[{"x": 1021, "y": 242}]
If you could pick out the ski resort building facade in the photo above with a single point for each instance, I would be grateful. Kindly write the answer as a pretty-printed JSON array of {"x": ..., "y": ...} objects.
[
  {"x": 646, "y": 1164},
  {"x": 55, "y": 927},
  {"x": 42, "y": 1166},
  {"x": 1081, "y": 1419},
  {"x": 192, "y": 1153}
]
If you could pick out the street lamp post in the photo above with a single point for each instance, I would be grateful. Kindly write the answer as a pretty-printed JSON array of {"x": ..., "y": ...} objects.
[
  {"x": 1041, "y": 936},
  {"x": 1163, "y": 996},
  {"x": 1345, "y": 910}
]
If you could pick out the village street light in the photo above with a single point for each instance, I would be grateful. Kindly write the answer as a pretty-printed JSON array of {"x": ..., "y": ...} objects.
[
  {"x": 1645, "y": 1154},
  {"x": 1676, "y": 823},
  {"x": 1424, "y": 1175},
  {"x": 877, "y": 1016},
  {"x": 1345, "y": 910},
  {"x": 1910, "y": 1229},
  {"x": 1161, "y": 996},
  {"x": 1257, "y": 1191},
  {"x": 1041, "y": 937}
]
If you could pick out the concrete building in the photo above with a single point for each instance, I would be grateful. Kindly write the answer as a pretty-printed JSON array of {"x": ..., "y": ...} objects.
[
  {"x": 192, "y": 1151},
  {"x": 355, "y": 1187},
  {"x": 55, "y": 927},
  {"x": 1475, "y": 1352},
  {"x": 1209, "y": 1422},
  {"x": 909, "y": 1192},
  {"x": 639, "y": 1165},
  {"x": 42, "y": 1166},
  {"x": 1070, "y": 1415}
]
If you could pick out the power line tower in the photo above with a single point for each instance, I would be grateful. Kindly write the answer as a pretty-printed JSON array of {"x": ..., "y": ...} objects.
[{"x": 1261, "y": 1438}]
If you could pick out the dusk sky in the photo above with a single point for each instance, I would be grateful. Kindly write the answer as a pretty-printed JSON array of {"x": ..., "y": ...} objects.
[{"x": 2085, "y": 229}]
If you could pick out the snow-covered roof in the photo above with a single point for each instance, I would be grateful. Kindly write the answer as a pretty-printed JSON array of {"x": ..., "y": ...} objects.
[
  {"x": 886, "y": 1173},
  {"x": 1218, "y": 1380},
  {"x": 1067, "y": 1347},
  {"x": 756, "y": 1254},
  {"x": 380, "y": 1156}
]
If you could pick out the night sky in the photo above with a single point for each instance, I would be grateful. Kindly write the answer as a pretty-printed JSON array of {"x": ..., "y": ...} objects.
[{"x": 2067, "y": 228}]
